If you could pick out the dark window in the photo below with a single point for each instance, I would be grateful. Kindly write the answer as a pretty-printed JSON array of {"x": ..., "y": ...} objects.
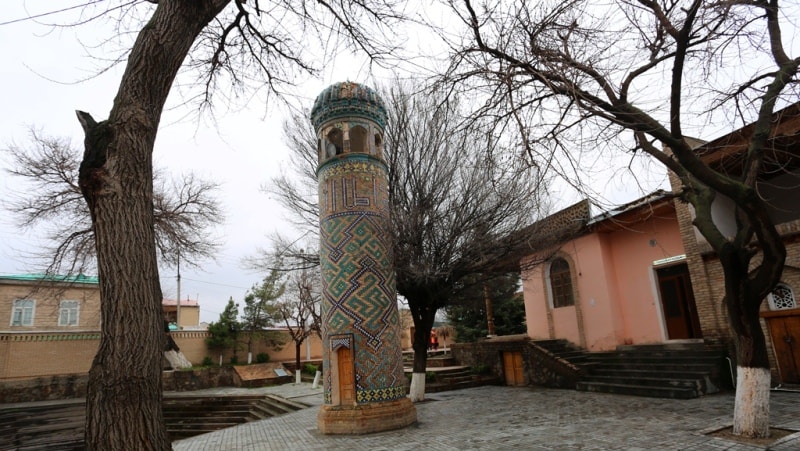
[{"x": 561, "y": 283}]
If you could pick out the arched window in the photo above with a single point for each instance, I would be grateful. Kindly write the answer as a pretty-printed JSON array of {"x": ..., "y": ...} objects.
[
  {"x": 781, "y": 298},
  {"x": 358, "y": 140},
  {"x": 561, "y": 283},
  {"x": 378, "y": 144},
  {"x": 335, "y": 143}
]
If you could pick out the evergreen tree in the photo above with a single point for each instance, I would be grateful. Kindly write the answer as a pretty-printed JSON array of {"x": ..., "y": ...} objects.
[
  {"x": 468, "y": 313},
  {"x": 224, "y": 332},
  {"x": 261, "y": 311}
]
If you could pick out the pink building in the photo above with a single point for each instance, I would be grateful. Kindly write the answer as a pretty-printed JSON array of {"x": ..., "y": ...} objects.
[{"x": 613, "y": 279}]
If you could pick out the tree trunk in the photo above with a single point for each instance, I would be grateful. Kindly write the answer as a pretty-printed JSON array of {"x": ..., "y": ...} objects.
[
  {"x": 123, "y": 403},
  {"x": 423, "y": 322},
  {"x": 297, "y": 368},
  {"x": 751, "y": 411}
]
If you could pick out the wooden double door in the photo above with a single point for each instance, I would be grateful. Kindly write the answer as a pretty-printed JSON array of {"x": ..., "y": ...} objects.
[
  {"x": 784, "y": 329},
  {"x": 513, "y": 368}
]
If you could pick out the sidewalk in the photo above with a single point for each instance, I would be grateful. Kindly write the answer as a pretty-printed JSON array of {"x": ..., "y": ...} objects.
[{"x": 528, "y": 418}]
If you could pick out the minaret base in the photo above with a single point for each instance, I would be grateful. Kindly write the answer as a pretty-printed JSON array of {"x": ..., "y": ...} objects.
[{"x": 366, "y": 418}]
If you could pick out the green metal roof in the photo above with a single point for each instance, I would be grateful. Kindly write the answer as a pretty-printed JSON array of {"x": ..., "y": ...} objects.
[{"x": 79, "y": 278}]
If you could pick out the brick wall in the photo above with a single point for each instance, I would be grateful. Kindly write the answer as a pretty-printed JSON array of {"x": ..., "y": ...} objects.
[
  {"x": 49, "y": 354},
  {"x": 46, "y": 307},
  {"x": 708, "y": 279},
  {"x": 46, "y": 354}
]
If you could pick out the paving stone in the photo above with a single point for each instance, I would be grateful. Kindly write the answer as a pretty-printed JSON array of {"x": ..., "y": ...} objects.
[{"x": 499, "y": 418}]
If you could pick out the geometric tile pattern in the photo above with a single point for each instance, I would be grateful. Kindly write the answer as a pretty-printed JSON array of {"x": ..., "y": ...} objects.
[{"x": 358, "y": 285}]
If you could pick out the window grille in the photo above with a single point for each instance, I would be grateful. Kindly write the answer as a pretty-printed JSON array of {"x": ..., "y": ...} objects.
[{"x": 781, "y": 298}]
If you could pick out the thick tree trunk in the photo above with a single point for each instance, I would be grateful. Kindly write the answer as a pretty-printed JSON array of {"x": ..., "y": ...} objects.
[
  {"x": 123, "y": 405},
  {"x": 751, "y": 411}
]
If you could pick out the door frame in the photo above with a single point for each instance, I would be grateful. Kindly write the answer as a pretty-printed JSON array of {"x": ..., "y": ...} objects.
[
  {"x": 338, "y": 342},
  {"x": 693, "y": 319}
]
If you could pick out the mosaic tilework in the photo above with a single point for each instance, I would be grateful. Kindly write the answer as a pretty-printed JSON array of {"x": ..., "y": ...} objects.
[
  {"x": 348, "y": 99},
  {"x": 359, "y": 295}
]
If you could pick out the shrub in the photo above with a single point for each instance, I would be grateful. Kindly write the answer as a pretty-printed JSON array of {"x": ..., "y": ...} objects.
[
  {"x": 481, "y": 369},
  {"x": 234, "y": 360},
  {"x": 310, "y": 368},
  {"x": 262, "y": 357},
  {"x": 208, "y": 361},
  {"x": 430, "y": 376}
]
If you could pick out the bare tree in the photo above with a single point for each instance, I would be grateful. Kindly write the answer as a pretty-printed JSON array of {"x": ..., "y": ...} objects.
[
  {"x": 459, "y": 200},
  {"x": 184, "y": 210},
  {"x": 572, "y": 75},
  {"x": 299, "y": 309},
  {"x": 229, "y": 43}
]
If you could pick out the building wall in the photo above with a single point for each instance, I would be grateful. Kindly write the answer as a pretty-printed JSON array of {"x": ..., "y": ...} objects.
[
  {"x": 615, "y": 288},
  {"x": 190, "y": 316},
  {"x": 28, "y": 355},
  {"x": 193, "y": 346},
  {"x": 633, "y": 253},
  {"x": 46, "y": 307},
  {"x": 46, "y": 354},
  {"x": 708, "y": 280}
]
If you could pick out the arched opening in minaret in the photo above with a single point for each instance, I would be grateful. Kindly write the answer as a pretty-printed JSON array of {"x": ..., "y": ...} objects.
[
  {"x": 335, "y": 143},
  {"x": 358, "y": 140},
  {"x": 378, "y": 144}
]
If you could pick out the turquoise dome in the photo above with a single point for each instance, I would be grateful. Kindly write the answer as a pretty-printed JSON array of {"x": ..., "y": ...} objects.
[{"x": 348, "y": 99}]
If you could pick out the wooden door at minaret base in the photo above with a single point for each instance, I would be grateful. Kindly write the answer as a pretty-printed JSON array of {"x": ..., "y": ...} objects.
[{"x": 347, "y": 380}]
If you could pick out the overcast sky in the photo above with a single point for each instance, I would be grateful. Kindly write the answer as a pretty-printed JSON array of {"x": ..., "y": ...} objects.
[
  {"x": 40, "y": 79},
  {"x": 46, "y": 75}
]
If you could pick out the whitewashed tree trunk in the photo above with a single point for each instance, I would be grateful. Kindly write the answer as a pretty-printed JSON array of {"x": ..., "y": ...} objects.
[
  {"x": 417, "y": 391},
  {"x": 751, "y": 412},
  {"x": 298, "y": 378},
  {"x": 249, "y": 357},
  {"x": 177, "y": 360},
  {"x": 317, "y": 377}
]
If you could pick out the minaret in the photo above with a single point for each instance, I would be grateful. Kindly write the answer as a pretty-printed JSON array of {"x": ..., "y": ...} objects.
[{"x": 364, "y": 386}]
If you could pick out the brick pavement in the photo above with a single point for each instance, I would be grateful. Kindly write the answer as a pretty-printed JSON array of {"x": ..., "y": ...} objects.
[{"x": 528, "y": 418}]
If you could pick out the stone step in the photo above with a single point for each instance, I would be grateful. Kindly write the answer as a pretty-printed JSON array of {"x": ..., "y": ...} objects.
[
  {"x": 655, "y": 366},
  {"x": 61, "y": 427},
  {"x": 652, "y": 358},
  {"x": 291, "y": 404},
  {"x": 177, "y": 413},
  {"x": 651, "y": 371},
  {"x": 695, "y": 383},
  {"x": 639, "y": 390}
]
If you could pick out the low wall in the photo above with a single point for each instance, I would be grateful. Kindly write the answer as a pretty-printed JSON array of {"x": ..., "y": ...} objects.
[
  {"x": 74, "y": 385},
  {"x": 44, "y": 388},
  {"x": 46, "y": 354},
  {"x": 488, "y": 352},
  {"x": 34, "y": 355},
  {"x": 197, "y": 378}
]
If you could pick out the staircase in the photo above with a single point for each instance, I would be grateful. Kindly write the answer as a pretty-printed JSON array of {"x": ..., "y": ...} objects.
[
  {"x": 187, "y": 416},
  {"x": 670, "y": 370},
  {"x": 60, "y": 426},
  {"x": 447, "y": 374}
]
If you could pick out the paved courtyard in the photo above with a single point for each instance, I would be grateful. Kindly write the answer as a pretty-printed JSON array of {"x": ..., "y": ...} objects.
[{"x": 527, "y": 418}]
